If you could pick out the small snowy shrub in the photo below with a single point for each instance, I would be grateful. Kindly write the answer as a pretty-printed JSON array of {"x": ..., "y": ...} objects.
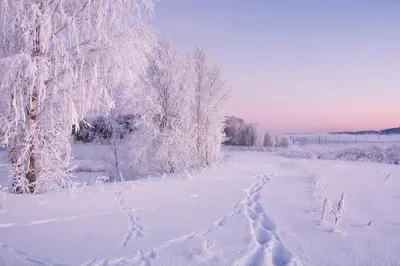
[
  {"x": 319, "y": 181},
  {"x": 3, "y": 190},
  {"x": 300, "y": 153},
  {"x": 393, "y": 153},
  {"x": 371, "y": 154},
  {"x": 76, "y": 187},
  {"x": 86, "y": 169},
  {"x": 100, "y": 182},
  {"x": 390, "y": 155}
]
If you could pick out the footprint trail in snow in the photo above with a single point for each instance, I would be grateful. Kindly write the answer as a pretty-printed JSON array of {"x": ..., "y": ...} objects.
[{"x": 268, "y": 249}]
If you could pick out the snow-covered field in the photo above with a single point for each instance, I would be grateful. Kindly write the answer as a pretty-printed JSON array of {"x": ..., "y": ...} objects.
[{"x": 255, "y": 208}]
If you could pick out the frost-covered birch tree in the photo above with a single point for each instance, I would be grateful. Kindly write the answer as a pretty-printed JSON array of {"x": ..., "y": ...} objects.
[
  {"x": 163, "y": 139},
  {"x": 210, "y": 94},
  {"x": 59, "y": 59}
]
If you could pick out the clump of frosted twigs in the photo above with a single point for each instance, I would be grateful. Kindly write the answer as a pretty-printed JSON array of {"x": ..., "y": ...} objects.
[
  {"x": 339, "y": 212},
  {"x": 326, "y": 209}
]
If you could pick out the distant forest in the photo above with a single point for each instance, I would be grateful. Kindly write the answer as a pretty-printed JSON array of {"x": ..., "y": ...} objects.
[{"x": 389, "y": 131}]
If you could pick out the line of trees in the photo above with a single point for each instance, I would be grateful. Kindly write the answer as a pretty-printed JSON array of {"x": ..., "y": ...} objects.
[
  {"x": 238, "y": 132},
  {"x": 180, "y": 102},
  {"x": 61, "y": 59}
]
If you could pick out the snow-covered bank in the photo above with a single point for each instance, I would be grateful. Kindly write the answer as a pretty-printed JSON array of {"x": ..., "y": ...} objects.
[{"x": 382, "y": 153}]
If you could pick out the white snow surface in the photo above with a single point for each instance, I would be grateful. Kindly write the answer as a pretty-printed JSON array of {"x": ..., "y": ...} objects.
[{"x": 255, "y": 208}]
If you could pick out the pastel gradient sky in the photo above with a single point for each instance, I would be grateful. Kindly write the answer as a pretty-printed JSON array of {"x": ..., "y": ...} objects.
[{"x": 298, "y": 65}]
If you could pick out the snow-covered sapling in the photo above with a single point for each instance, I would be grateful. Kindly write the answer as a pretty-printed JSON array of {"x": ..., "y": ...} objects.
[
  {"x": 100, "y": 182},
  {"x": 339, "y": 212}
]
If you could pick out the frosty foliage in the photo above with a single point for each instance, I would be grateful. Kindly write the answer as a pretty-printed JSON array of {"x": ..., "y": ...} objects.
[
  {"x": 58, "y": 60},
  {"x": 163, "y": 141},
  {"x": 180, "y": 102},
  {"x": 208, "y": 109}
]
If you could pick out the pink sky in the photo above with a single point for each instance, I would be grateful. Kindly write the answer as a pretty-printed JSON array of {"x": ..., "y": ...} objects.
[{"x": 298, "y": 66}]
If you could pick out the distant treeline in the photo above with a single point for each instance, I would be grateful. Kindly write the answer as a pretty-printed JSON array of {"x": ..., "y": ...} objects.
[
  {"x": 389, "y": 131},
  {"x": 102, "y": 128},
  {"x": 237, "y": 131}
]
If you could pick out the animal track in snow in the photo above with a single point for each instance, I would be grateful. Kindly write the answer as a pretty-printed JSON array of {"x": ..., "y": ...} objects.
[
  {"x": 30, "y": 258},
  {"x": 135, "y": 229},
  {"x": 140, "y": 259},
  {"x": 45, "y": 221},
  {"x": 268, "y": 249},
  {"x": 144, "y": 257}
]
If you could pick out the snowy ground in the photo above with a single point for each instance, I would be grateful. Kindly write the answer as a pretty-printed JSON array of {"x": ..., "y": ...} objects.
[{"x": 256, "y": 208}]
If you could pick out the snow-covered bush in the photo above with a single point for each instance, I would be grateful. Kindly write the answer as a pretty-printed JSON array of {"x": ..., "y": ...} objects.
[
  {"x": 393, "y": 154},
  {"x": 371, "y": 154},
  {"x": 300, "y": 153},
  {"x": 390, "y": 155}
]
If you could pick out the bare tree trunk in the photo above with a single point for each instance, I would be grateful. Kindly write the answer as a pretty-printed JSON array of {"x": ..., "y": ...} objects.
[
  {"x": 31, "y": 174},
  {"x": 32, "y": 116}
]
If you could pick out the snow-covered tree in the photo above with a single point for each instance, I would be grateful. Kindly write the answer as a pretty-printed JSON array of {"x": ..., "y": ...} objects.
[
  {"x": 286, "y": 142},
  {"x": 210, "y": 94},
  {"x": 248, "y": 135},
  {"x": 163, "y": 141},
  {"x": 278, "y": 140},
  {"x": 234, "y": 130},
  {"x": 269, "y": 140},
  {"x": 259, "y": 135},
  {"x": 59, "y": 59}
]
